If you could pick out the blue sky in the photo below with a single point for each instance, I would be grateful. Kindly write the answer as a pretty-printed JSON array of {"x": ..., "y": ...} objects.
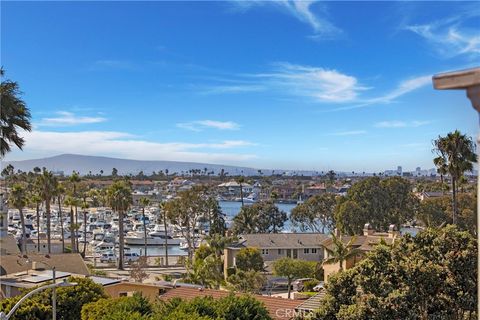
[{"x": 279, "y": 84}]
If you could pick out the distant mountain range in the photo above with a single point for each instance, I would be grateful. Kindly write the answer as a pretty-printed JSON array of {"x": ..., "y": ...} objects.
[{"x": 66, "y": 163}]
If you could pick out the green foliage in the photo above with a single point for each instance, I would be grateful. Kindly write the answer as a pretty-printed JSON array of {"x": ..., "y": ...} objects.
[
  {"x": 430, "y": 276},
  {"x": 134, "y": 307},
  {"x": 206, "y": 308},
  {"x": 293, "y": 269},
  {"x": 206, "y": 268},
  {"x": 69, "y": 301},
  {"x": 308, "y": 285},
  {"x": 434, "y": 212},
  {"x": 246, "y": 281},
  {"x": 261, "y": 217},
  {"x": 378, "y": 202},
  {"x": 315, "y": 214},
  {"x": 249, "y": 259},
  {"x": 340, "y": 252}
]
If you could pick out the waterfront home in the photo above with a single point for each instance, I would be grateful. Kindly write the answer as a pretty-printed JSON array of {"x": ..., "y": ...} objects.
[
  {"x": 365, "y": 243},
  {"x": 273, "y": 246}
]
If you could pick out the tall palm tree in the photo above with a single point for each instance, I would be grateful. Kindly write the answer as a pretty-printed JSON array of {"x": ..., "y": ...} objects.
[
  {"x": 47, "y": 187},
  {"x": 341, "y": 251},
  {"x": 18, "y": 199},
  {"x": 455, "y": 153},
  {"x": 163, "y": 212},
  {"x": 71, "y": 202},
  {"x": 60, "y": 192},
  {"x": 143, "y": 203},
  {"x": 241, "y": 181},
  {"x": 36, "y": 200},
  {"x": 120, "y": 198},
  {"x": 14, "y": 116},
  {"x": 85, "y": 207},
  {"x": 442, "y": 169},
  {"x": 74, "y": 179}
]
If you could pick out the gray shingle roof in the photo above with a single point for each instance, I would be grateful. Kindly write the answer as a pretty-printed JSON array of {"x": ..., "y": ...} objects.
[{"x": 283, "y": 240}]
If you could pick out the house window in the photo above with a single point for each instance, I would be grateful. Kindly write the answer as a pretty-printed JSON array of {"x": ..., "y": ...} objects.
[
  {"x": 280, "y": 251},
  {"x": 307, "y": 251},
  {"x": 264, "y": 251},
  {"x": 314, "y": 250},
  {"x": 122, "y": 294}
]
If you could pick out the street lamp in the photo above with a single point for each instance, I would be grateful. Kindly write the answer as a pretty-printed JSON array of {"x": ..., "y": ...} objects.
[
  {"x": 62, "y": 284},
  {"x": 54, "y": 290},
  {"x": 468, "y": 80}
]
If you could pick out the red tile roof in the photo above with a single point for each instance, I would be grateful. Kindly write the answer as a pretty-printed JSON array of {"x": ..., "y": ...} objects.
[{"x": 278, "y": 308}]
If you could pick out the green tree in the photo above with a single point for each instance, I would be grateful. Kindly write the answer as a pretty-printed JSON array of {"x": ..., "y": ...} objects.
[
  {"x": 70, "y": 301},
  {"x": 249, "y": 259},
  {"x": 36, "y": 200},
  {"x": 455, "y": 155},
  {"x": 14, "y": 116},
  {"x": 216, "y": 218},
  {"x": 144, "y": 202},
  {"x": 18, "y": 200},
  {"x": 186, "y": 210},
  {"x": 315, "y": 214},
  {"x": 292, "y": 269},
  {"x": 135, "y": 307},
  {"x": 46, "y": 184},
  {"x": 340, "y": 251},
  {"x": 119, "y": 196},
  {"x": 380, "y": 202},
  {"x": 261, "y": 217},
  {"x": 429, "y": 276},
  {"x": 249, "y": 281}
]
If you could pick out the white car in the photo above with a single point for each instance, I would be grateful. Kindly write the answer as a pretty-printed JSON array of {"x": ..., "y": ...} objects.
[
  {"x": 131, "y": 257},
  {"x": 108, "y": 257},
  {"x": 319, "y": 287}
]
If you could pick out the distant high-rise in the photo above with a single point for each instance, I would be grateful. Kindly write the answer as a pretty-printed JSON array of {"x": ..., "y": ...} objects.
[{"x": 399, "y": 170}]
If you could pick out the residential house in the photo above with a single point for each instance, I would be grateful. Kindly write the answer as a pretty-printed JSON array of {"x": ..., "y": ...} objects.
[
  {"x": 273, "y": 246},
  {"x": 364, "y": 243}
]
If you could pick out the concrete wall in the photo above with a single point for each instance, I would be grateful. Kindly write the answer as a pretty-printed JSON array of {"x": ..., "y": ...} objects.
[{"x": 125, "y": 288}]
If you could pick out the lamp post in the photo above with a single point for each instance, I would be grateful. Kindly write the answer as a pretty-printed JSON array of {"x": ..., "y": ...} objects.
[
  {"x": 62, "y": 284},
  {"x": 54, "y": 290},
  {"x": 468, "y": 80}
]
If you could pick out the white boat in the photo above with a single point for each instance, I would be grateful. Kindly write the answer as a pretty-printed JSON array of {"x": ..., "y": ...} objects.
[
  {"x": 104, "y": 246},
  {"x": 184, "y": 244},
  {"x": 138, "y": 239}
]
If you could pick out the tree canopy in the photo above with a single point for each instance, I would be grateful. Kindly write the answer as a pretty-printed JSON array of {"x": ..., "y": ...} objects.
[
  {"x": 430, "y": 276},
  {"x": 261, "y": 217},
  {"x": 380, "y": 202}
]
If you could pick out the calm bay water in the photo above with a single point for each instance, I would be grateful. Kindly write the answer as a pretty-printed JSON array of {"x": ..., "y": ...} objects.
[{"x": 230, "y": 209}]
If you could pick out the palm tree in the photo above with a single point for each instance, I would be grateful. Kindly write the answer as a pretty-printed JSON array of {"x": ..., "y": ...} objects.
[
  {"x": 18, "y": 199},
  {"x": 60, "y": 192},
  {"x": 164, "y": 214},
  {"x": 341, "y": 251},
  {"x": 74, "y": 180},
  {"x": 71, "y": 202},
  {"x": 120, "y": 198},
  {"x": 36, "y": 200},
  {"x": 85, "y": 207},
  {"x": 47, "y": 186},
  {"x": 143, "y": 203},
  {"x": 240, "y": 181},
  {"x": 14, "y": 116},
  {"x": 439, "y": 162},
  {"x": 456, "y": 154}
]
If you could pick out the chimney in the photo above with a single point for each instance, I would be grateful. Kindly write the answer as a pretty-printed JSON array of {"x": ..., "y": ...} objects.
[
  {"x": 368, "y": 229},
  {"x": 337, "y": 232},
  {"x": 393, "y": 231}
]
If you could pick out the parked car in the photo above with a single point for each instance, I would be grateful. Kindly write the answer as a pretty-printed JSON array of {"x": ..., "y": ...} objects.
[
  {"x": 131, "y": 256},
  {"x": 298, "y": 284},
  {"x": 319, "y": 287},
  {"x": 108, "y": 257}
]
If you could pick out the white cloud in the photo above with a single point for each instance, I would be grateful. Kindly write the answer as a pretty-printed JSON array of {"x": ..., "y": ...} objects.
[
  {"x": 323, "y": 85},
  {"x": 301, "y": 10},
  {"x": 65, "y": 118},
  {"x": 404, "y": 87},
  {"x": 124, "y": 145},
  {"x": 348, "y": 133},
  {"x": 401, "y": 124},
  {"x": 205, "y": 124},
  {"x": 450, "y": 36}
]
